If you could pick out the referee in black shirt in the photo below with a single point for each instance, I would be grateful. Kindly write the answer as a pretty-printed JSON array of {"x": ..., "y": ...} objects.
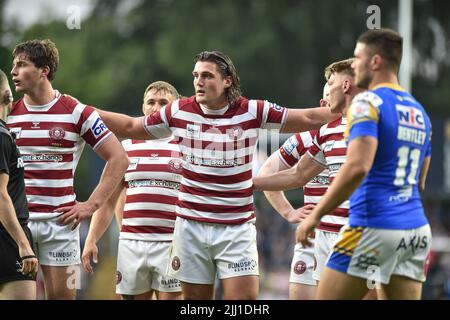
[{"x": 18, "y": 264}]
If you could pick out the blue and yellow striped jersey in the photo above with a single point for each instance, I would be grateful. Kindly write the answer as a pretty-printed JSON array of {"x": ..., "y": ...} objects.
[{"x": 389, "y": 198}]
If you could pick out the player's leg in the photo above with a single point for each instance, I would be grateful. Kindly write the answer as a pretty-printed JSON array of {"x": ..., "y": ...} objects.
[
  {"x": 133, "y": 279},
  {"x": 190, "y": 260},
  {"x": 59, "y": 282},
  {"x": 18, "y": 290},
  {"x": 192, "y": 291},
  {"x": 410, "y": 272},
  {"x": 142, "y": 296},
  {"x": 241, "y": 288},
  {"x": 235, "y": 251},
  {"x": 299, "y": 291},
  {"x": 401, "y": 288},
  {"x": 169, "y": 295},
  {"x": 372, "y": 294},
  {"x": 59, "y": 257},
  {"x": 13, "y": 284},
  {"x": 302, "y": 286},
  {"x": 166, "y": 288},
  {"x": 335, "y": 285}
]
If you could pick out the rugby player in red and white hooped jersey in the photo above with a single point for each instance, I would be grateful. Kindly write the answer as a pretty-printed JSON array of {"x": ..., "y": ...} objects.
[
  {"x": 51, "y": 130},
  {"x": 145, "y": 210},
  {"x": 217, "y": 131},
  {"x": 302, "y": 286},
  {"x": 327, "y": 152}
]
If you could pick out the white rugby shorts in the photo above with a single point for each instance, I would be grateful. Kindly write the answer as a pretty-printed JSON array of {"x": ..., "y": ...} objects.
[
  {"x": 54, "y": 244},
  {"x": 303, "y": 265},
  {"x": 200, "y": 250},
  {"x": 142, "y": 266},
  {"x": 323, "y": 247}
]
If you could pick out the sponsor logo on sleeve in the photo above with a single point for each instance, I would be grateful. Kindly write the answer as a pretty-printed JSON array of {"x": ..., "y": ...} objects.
[
  {"x": 290, "y": 145},
  {"x": 98, "y": 128}
]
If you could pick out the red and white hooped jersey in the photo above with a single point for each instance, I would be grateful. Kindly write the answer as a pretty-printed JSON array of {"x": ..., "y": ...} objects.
[
  {"x": 329, "y": 149},
  {"x": 217, "y": 151},
  {"x": 51, "y": 139},
  {"x": 152, "y": 181},
  {"x": 291, "y": 152}
]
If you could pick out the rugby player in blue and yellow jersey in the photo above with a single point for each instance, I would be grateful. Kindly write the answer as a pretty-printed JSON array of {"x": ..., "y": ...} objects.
[{"x": 388, "y": 237}]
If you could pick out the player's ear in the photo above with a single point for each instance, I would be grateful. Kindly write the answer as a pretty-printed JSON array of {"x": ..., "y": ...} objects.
[
  {"x": 45, "y": 71},
  {"x": 346, "y": 85},
  {"x": 228, "y": 81},
  {"x": 376, "y": 62}
]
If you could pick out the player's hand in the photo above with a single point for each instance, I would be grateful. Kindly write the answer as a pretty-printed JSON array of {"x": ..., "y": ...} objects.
[
  {"x": 90, "y": 249},
  {"x": 305, "y": 229},
  {"x": 300, "y": 214},
  {"x": 29, "y": 261},
  {"x": 74, "y": 214}
]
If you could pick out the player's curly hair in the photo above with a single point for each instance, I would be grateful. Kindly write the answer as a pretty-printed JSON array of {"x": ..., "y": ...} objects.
[
  {"x": 41, "y": 52},
  {"x": 226, "y": 68}
]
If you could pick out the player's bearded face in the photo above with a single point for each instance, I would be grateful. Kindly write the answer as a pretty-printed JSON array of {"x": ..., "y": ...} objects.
[
  {"x": 361, "y": 65},
  {"x": 25, "y": 74},
  {"x": 209, "y": 84}
]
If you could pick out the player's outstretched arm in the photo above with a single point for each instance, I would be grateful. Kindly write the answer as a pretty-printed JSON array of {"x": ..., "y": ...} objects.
[
  {"x": 116, "y": 164},
  {"x": 125, "y": 126},
  {"x": 293, "y": 178},
  {"x": 101, "y": 219},
  {"x": 9, "y": 220},
  {"x": 299, "y": 120},
  {"x": 277, "y": 198},
  {"x": 424, "y": 173},
  {"x": 360, "y": 155}
]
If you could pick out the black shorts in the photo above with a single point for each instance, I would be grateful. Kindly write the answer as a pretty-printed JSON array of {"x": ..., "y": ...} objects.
[{"x": 10, "y": 262}]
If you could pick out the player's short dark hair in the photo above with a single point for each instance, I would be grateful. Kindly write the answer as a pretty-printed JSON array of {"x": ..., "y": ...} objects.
[
  {"x": 41, "y": 52},
  {"x": 162, "y": 86},
  {"x": 343, "y": 66},
  {"x": 385, "y": 42},
  {"x": 226, "y": 68}
]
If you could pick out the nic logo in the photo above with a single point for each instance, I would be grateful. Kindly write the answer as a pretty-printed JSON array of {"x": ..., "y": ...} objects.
[
  {"x": 410, "y": 117},
  {"x": 98, "y": 128}
]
